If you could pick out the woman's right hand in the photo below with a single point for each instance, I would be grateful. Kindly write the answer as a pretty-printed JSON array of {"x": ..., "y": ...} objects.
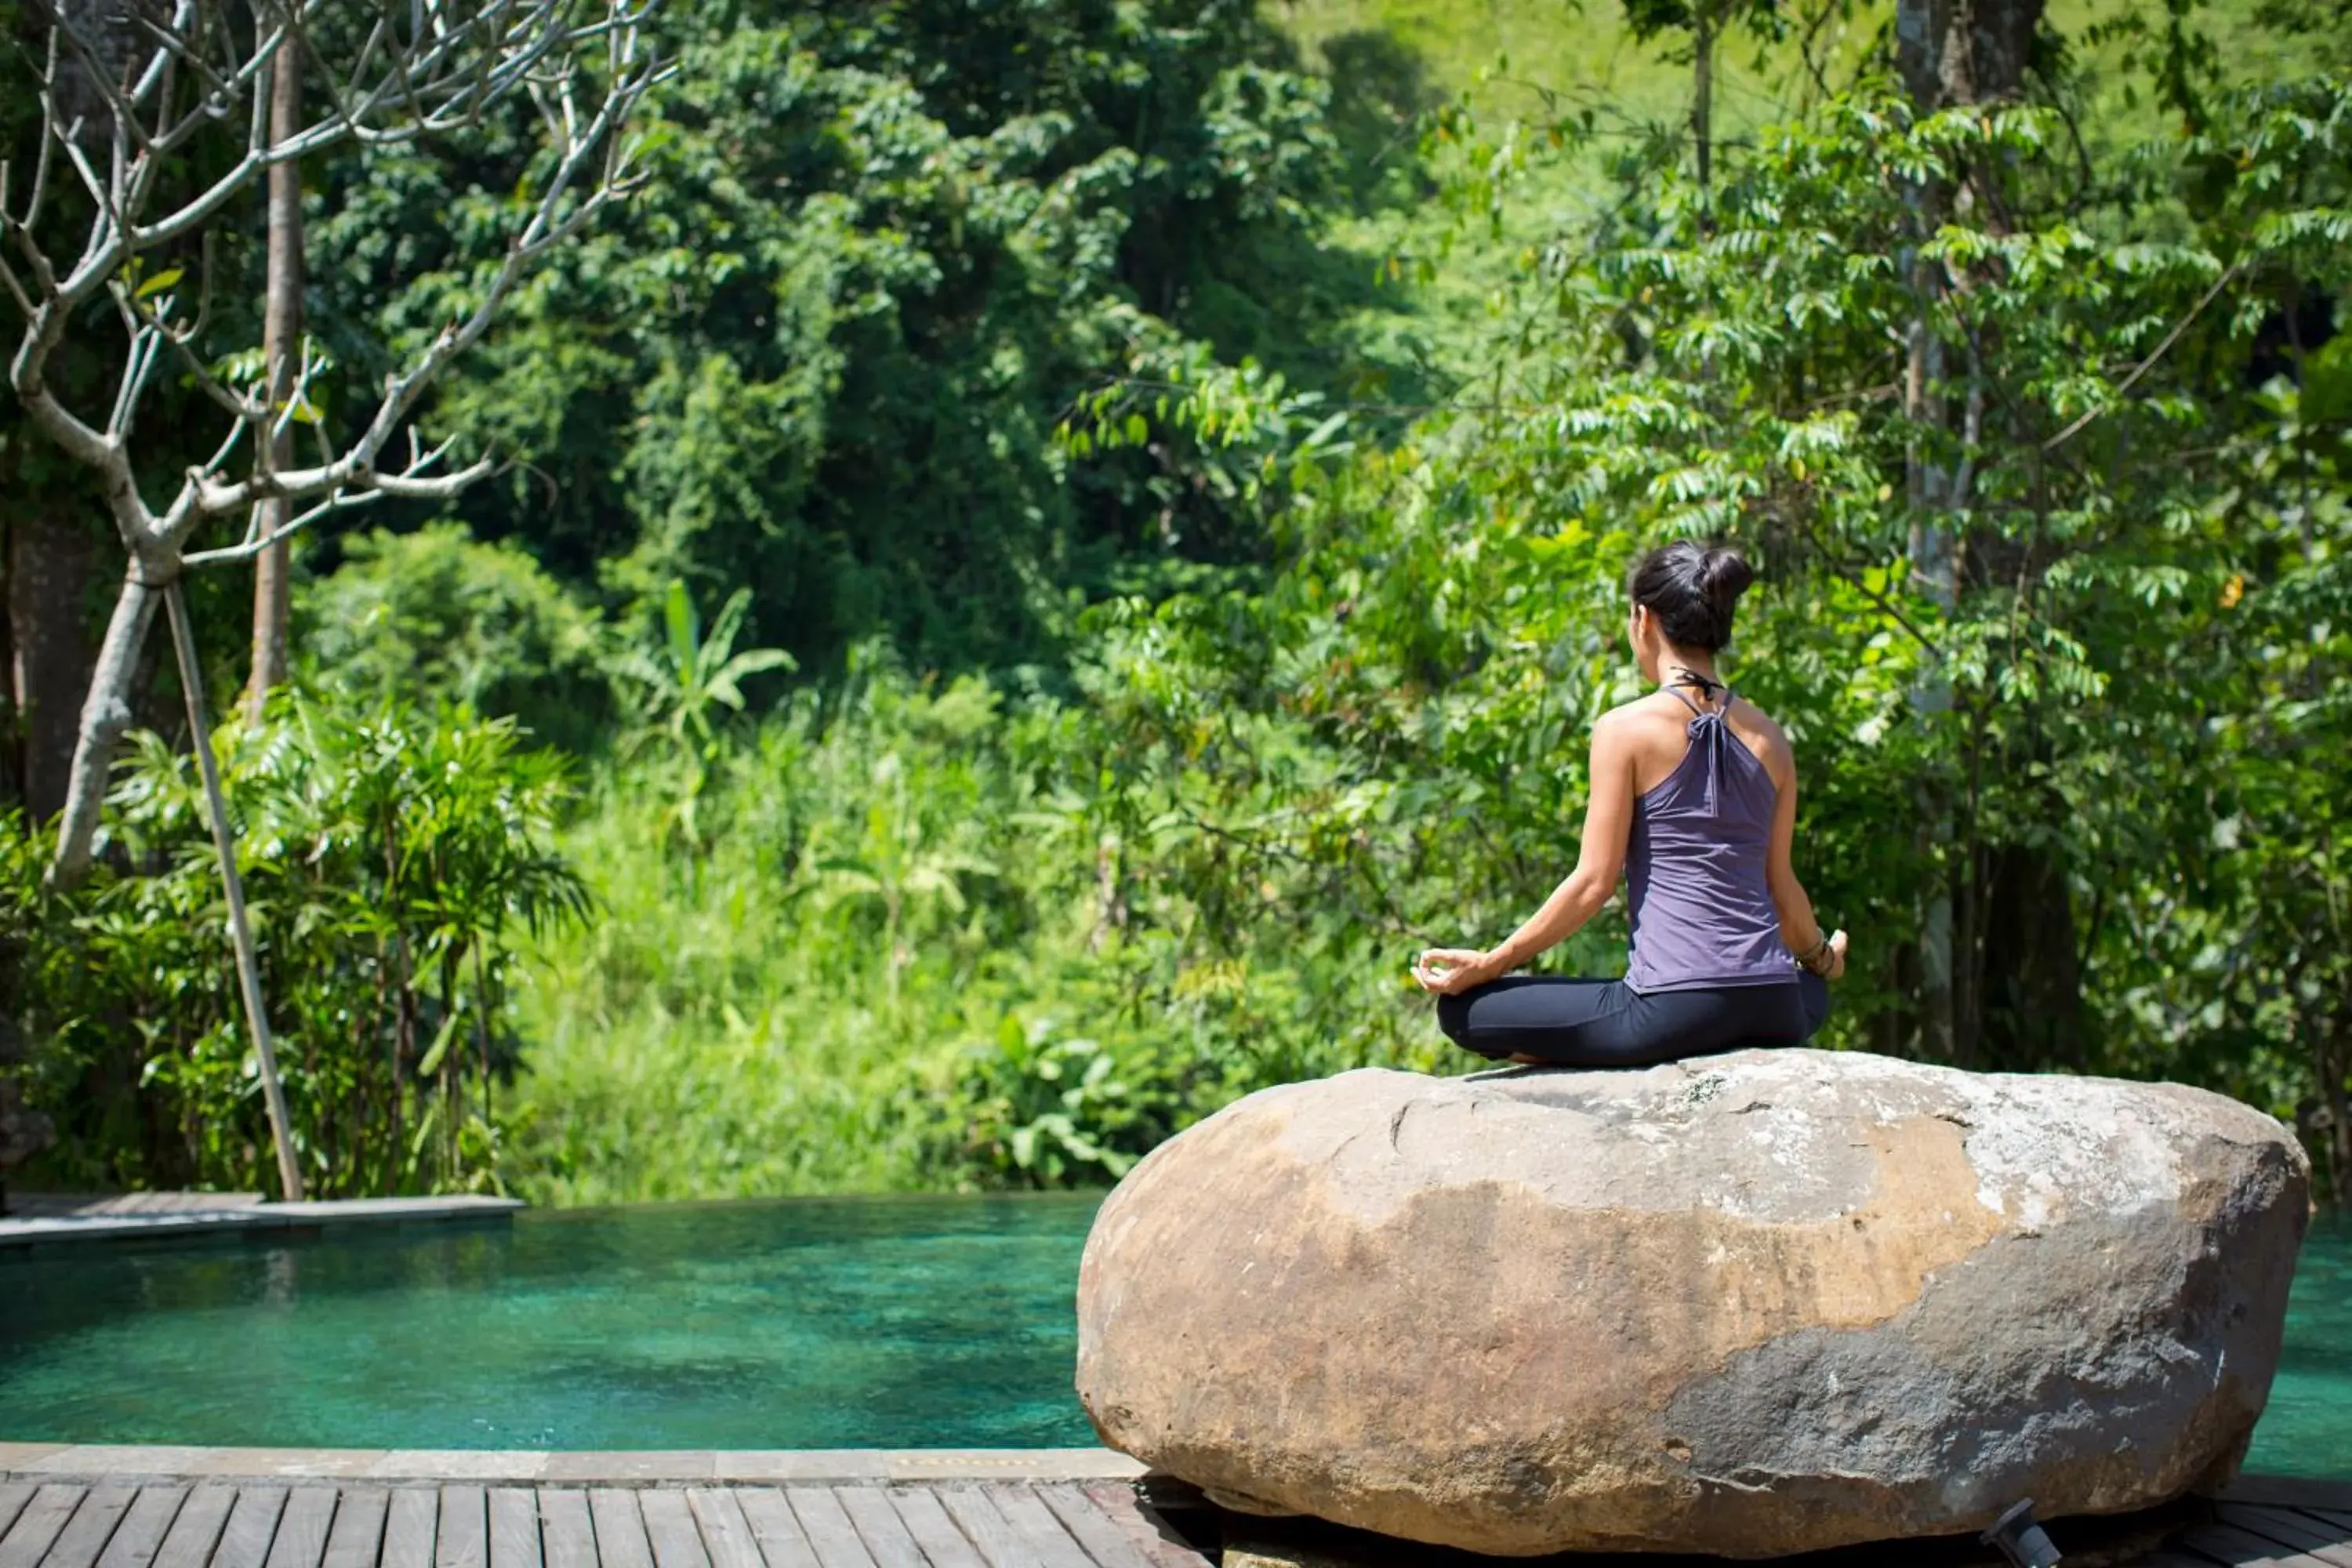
[
  {"x": 1450, "y": 970},
  {"x": 1836, "y": 969}
]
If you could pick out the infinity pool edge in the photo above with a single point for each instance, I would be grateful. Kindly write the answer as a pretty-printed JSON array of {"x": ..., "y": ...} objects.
[{"x": 51, "y": 1461}]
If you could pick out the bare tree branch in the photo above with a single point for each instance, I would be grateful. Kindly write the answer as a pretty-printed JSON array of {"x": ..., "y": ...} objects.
[{"x": 123, "y": 110}]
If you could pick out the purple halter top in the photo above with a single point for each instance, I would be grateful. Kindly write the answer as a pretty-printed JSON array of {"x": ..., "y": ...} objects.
[{"x": 1694, "y": 885}]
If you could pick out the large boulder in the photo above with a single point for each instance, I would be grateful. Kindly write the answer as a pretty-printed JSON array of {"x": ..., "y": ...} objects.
[{"x": 1752, "y": 1304}]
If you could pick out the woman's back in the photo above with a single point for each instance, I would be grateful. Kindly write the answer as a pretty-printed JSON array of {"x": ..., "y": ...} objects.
[
  {"x": 1697, "y": 893},
  {"x": 1693, "y": 807}
]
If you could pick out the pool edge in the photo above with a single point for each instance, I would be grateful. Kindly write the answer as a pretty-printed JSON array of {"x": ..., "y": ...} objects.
[
  {"x": 234, "y": 1219},
  {"x": 57, "y": 1461}
]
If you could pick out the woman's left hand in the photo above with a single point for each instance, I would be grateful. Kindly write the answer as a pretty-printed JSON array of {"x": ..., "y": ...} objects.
[{"x": 1448, "y": 970}]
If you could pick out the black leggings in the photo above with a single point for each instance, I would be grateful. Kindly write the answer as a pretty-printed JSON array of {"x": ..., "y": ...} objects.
[{"x": 1605, "y": 1024}]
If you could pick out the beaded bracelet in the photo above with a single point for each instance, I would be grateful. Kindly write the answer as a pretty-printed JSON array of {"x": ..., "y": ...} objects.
[{"x": 1805, "y": 959}]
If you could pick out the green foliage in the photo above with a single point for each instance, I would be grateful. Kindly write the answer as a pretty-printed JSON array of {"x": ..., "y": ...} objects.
[
  {"x": 906, "y": 957},
  {"x": 1648, "y": 18},
  {"x": 686, "y": 674},
  {"x": 2143, "y": 519},
  {"x": 728, "y": 1025},
  {"x": 479, "y": 625},
  {"x": 1038, "y": 1110},
  {"x": 1042, "y": 339},
  {"x": 390, "y": 857},
  {"x": 821, "y": 355}
]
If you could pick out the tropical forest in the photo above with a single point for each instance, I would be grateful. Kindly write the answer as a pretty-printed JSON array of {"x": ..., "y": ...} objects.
[{"x": 753, "y": 597}]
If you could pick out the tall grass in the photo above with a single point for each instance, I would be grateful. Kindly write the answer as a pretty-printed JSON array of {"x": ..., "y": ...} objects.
[
  {"x": 918, "y": 936},
  {"x": 795, "y": 994}
]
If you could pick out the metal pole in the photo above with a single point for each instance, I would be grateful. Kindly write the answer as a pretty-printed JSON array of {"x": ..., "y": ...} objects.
[{"x": 249, "y": 971}]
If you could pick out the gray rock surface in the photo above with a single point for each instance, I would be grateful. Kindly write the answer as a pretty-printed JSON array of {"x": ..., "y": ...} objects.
[{"x": 1753, "y": 1304}]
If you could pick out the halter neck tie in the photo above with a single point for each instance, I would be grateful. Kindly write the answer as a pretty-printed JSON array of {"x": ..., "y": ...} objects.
[{"x": 1707, "y": 730}]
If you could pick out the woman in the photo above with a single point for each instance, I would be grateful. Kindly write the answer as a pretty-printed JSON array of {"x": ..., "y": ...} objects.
[{"x": 1695, "y": 800}]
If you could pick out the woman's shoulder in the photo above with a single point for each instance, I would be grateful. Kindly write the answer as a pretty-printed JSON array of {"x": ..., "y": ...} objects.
[
  {"x": 1648, "y": 712},
  {"x": 1763, "y": 735}
]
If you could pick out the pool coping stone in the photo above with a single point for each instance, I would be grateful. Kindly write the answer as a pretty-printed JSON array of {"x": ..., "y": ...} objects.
[
  {"x": 168, "y": 1461},
  {"x": 235, "y": 1217}
]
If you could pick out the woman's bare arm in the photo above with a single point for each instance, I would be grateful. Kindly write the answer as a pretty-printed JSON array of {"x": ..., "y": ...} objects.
[{"x": 1800, "y": 927}]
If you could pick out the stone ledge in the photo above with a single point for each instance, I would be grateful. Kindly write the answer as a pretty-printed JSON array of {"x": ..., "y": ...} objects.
[
  {"x": 105, "y": 1225},
  {"x": 32, "y": 1461}
]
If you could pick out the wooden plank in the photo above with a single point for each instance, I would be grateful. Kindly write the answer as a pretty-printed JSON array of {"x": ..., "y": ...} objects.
[
  {"x": 886, "y": 1535},
  {"x": 782, "y": 1542},
  {"x": 726, "y": 1534},
  {"x": 2289, "y": 1491},
  {"x": 620, "y": 1532},
  {"x": 829, "y": 1533},
  {"x": 189, "y": 1543},
  {"x": 567, "y": 1536},
  {"x": 999, "y": 1543},
  {"x": 13, "y": 1499},
  {"x": 252, "y": 1521},
  {"x": 41, "y": 1520},
  {"x": 2290, "y": 1529},
  {"x": 2334, "y": 1518},
  {"x": 1049, "y": 1544},
  {"x": 91, "y": 1527},
  {"x": 669, "y": 1527},
  {"x": 933, "y": 1531},
  {"x": 357, "y": 1538},
  {"x": 514, "y": 1527},
  {"x": 141, "y": 1534},
  {"x": 411, "y": 1522},
  {"x": 1153, "y": 1536},
  {"x": 1105, "y": 1541},
  {"x": 301, "y": 1539},
  {"x": 2234, "y": 1548},
  {"x": 463, "y": 1536}
]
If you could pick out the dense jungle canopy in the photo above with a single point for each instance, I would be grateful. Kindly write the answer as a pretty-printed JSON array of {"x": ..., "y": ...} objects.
[{"x": 1051, "y": 545}]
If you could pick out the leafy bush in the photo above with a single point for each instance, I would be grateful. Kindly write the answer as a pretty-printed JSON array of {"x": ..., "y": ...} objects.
[
  {"x": 389, "y": 856},
  {"x": 1033, "y": 1108},
  {"x": 480, "y": 625}
]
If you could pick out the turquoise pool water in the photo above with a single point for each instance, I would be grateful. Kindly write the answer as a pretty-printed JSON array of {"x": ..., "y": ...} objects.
[
  {"x": 2306, "y": 1429},
  {"x": 919, "y": 1322}
]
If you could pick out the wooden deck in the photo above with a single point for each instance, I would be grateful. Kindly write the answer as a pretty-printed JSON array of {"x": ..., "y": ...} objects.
[
  {"x": 226, "y": 1524},
  {"x": 337, "y": 1523}
]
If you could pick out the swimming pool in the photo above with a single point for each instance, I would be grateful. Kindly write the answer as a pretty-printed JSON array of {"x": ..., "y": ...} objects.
[{"x": 875, "y": 1323}]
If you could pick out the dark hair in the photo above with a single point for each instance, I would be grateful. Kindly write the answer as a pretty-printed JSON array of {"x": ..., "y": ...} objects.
[{"x": 1692, "y": 589}]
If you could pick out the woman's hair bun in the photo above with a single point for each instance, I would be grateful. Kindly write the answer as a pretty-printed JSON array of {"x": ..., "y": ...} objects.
[
  {"x": 1692, "y": 588},
  {"x": 1723, "y": 576}
]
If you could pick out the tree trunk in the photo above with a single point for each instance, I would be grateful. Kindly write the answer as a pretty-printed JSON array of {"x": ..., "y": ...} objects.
[
  {"x": 1956, "y": 52},
  {"x": 1928, "y": 492},
  {"x": 281, "y": 330},
  {"x": 2032, "y": 978},
  {"x": 2333, "y": 1063},
  {"x": 51, "y": 560},
  {"x": 1703, "y": 31},
  {"x": 1950, "y": 53},
  {"x": 105, "y": 715}
]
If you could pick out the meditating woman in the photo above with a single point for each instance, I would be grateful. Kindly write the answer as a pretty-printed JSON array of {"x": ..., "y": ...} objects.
[{"x": 1694, "y": 798}]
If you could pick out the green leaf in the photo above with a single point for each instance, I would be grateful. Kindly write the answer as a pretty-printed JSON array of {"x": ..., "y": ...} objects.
[{"x": 430, "y": 1063}]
